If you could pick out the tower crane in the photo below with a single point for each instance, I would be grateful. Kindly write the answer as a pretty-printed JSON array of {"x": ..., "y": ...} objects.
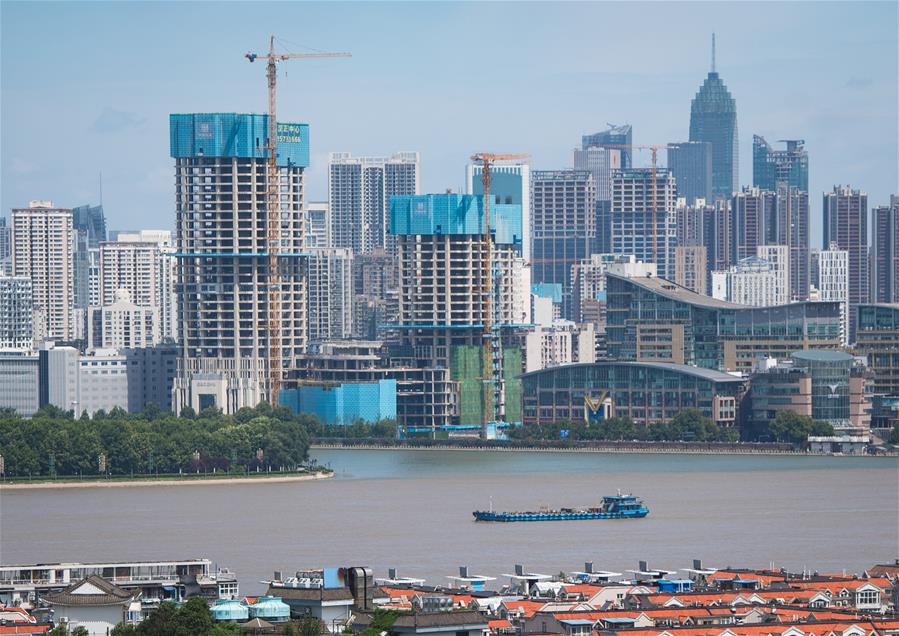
[
  {"x": 491, "y": 384},
  {"x": 273, "y": 209}
]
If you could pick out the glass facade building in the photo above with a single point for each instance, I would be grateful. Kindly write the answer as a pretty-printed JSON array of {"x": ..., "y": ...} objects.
[
  {"x": 690, "y": 163},
  {"x": 613, "y": 137},
  {"x": 646, "y": 392},
  {"x": 771, "y": 167},
  {"x": 652, "y": 319},
  {"x": 713, "y": 118},
  {"x": 877, "y": 338}
]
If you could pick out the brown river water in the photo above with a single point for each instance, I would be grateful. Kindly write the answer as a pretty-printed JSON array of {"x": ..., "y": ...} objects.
[{"x": 412, "y": 510}]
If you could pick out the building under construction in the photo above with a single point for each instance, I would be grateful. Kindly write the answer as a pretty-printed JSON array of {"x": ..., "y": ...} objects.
[
  {"x": 443, "y": 310},
  {"x": 223, "y": 235}
]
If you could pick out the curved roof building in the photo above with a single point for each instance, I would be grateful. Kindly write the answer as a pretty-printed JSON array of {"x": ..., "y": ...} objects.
[
  {"x": 646, "y": 392},
  {"x": 653, "y": 319}
]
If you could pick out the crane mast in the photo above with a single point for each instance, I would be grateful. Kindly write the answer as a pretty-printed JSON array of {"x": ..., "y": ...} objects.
[
  {"x": 273, "y": 215},
  {"x": 491, "y": 380}
]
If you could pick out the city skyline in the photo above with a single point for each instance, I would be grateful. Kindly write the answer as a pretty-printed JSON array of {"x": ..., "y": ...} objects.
[{"x": 845, "y": 52}]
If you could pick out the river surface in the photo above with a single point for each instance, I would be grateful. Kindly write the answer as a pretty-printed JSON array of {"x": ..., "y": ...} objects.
[{"x": 412, "y": 510}]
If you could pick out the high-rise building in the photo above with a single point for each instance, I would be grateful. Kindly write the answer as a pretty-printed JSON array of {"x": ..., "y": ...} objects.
[
  {"x": 691, "y": 267},
  {"x": 133, "y": 267},
  {"x": 690, "y": 162},
  {"x": 846, "y": 225},
  {"x": 330, "y": 272},
  {"x": 167, "y": 278},
  {"x": 123, "y": 324},
  {"x": 602, "y": 163},
  {"x": 885, "y": 253},
  {"x": 318, "y": 224},
  {"x": 830, "y": 270},
  {"x": 510, "y": 185},
  {"x": 43, "y": 250},
  {"x": 89, "y": 224},
  {"x": 16, "y": 313},
  {"x": 792, "y": 230},
  {"x": 616, "y": 137},
  {"x": 443, "y": 306},
  {"x": 564, "y": 226},
  {"x": 713, "y": 118},
  {"x": 761, "y": 217},
  {"x": 359, "y": 191},
  {"x": 771, "y": 167},
  {"x": 223, "y": 247},
  {"x": 633, "y": 215},
  {"x": 717, "y": 234},
  {"x": 5, "y": 244},
  {"x": 757, "y": 281}
]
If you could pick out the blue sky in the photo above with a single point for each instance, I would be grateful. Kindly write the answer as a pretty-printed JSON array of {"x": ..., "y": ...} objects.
[{"x": 87, "y": 87}]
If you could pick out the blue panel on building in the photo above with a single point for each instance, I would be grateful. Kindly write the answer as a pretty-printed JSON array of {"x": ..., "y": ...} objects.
[
  {"x": 344, "y": 404},
  {"x": 427, "y": 214},
  {"x": 236, "y": 135},
  {"x": 548, "y": 290}
]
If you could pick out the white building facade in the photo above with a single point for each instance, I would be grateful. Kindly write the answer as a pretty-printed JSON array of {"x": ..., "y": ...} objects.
[
  {"x": 43, "y": 251},
  {"x": 359, "y": 191},
  {"x": 830, "y": 268}
]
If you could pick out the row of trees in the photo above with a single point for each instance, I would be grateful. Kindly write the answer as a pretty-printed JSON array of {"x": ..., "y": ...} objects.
[
  {"x": 795, "y": 429},
  {"x": 193, "y": 618},
  {"x": 688, "y": 425},
  {"x": 53, "y": 442}
]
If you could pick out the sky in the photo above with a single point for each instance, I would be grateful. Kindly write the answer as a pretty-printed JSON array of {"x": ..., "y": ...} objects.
[{"x": 86, "y": 88}]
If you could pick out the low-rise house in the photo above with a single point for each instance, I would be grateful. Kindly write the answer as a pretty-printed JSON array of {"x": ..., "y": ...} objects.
[
  {"x": 446, "y": 623},
  {"x": 93, "y": 603}
]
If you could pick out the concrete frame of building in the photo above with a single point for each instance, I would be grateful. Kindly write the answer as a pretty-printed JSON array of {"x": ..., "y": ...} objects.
[
  {"x": 221, "y": 187},
  {"x": 646, "y": 392}
]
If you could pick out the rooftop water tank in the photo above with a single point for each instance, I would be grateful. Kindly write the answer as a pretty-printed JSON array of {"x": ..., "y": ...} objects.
[
  {"x": 270, "y": 608},
  {"x": 229, "y": 610}
]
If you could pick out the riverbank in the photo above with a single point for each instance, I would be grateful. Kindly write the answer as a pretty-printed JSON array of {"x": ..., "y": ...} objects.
[
  {"x": 138, "y": 482},
  {"x": 688, "y": 448},
  {"x": 582, "y": 447}
]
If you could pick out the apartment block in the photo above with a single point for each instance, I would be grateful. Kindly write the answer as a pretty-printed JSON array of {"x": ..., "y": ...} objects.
[
  {"x": 16, "y": 313},
  {"x": 564, "y": 227},
  {"x": 331, "y": 297},
  {"x": 644, "y": 218},
  {"x": 359, "y": 191},
  {"x": 43, "y": 251}
]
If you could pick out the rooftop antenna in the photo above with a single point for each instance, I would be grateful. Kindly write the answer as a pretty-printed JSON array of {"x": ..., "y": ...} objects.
[{"x": 713, "y": 52}]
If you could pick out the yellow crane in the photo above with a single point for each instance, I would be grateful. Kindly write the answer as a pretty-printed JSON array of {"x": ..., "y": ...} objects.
[
  {"x": 486, "y": 160},
  {"x": 273, "y": 209}
]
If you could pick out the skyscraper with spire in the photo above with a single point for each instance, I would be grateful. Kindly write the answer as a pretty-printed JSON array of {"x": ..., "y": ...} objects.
[{"x": 713, "y": 118}]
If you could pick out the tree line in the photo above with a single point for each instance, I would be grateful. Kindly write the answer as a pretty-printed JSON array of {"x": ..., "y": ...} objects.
[
  {"x": 690, "y": 425},
  {"x": 54, "y": 443}
]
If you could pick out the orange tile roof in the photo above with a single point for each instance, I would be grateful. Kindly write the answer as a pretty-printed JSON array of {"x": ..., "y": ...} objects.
[
  {"x": 499, "y": 624},
  {"x": 527, "y": 608}
]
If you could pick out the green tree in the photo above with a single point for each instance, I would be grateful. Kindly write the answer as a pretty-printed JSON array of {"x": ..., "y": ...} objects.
[
  {"x": 192, "y": 618},
  {"x": 124, "y": 629},
  {"x": 160, "y": 622},
  {"x": 381, "y": 621},
  {"x": 894, "y": 434},
  {"x": 791, "y": 427}
]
